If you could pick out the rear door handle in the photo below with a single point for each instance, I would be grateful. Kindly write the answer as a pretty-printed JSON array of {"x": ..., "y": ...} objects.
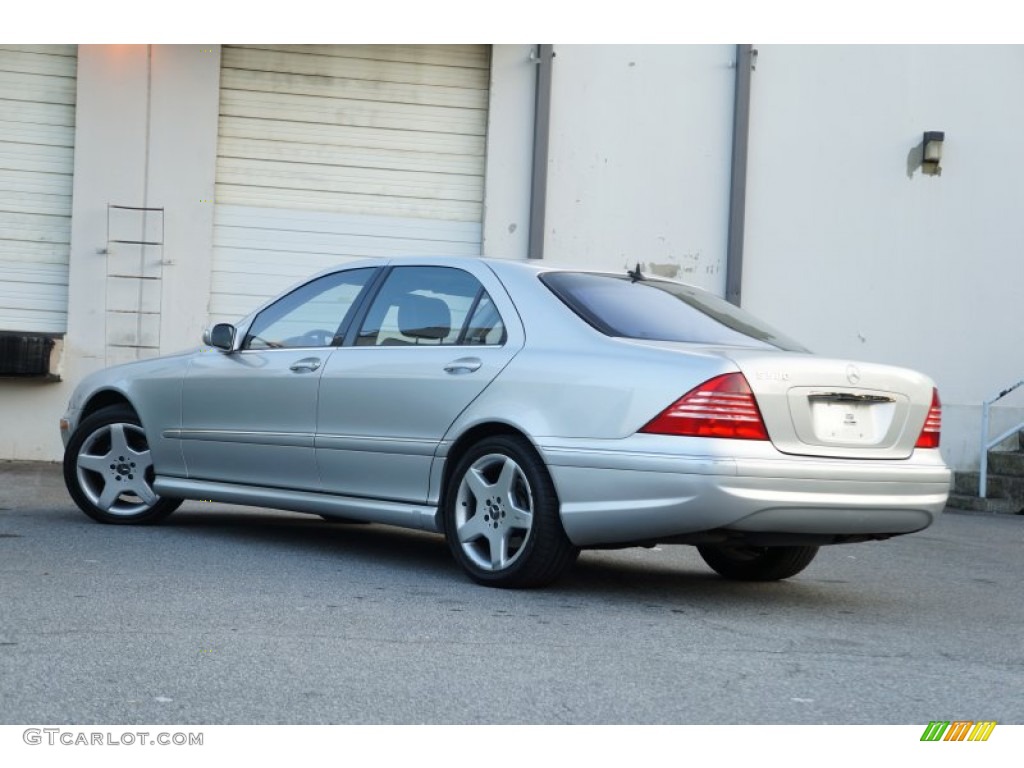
[
  {"x": 464, "y": 365},
  {"x": 306, "y": 365}
]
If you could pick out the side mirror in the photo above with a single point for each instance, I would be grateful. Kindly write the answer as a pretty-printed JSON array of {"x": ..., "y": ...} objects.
[{"x": 221, "y": 336}]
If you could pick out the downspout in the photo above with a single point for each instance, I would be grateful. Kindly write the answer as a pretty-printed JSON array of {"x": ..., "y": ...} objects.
[
  {"x": 746, "y": 61},
  {"x": 541, "y": 130}
]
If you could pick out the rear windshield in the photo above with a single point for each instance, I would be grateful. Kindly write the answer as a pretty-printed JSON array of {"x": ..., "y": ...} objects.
[{"x": 661, "y": 310}]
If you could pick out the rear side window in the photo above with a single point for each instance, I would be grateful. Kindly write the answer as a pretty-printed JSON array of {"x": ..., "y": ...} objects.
[
  {"x": 661, "y": 310},
  {"x": 424, "y": 306}
]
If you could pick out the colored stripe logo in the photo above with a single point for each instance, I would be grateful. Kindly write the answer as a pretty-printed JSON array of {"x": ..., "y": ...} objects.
[{"x": 958, "y": 730}]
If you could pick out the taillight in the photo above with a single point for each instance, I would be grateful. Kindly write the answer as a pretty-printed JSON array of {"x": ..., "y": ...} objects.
[
  {"x": 932, "y": 425},
  {"x": 720, "y": 407}
]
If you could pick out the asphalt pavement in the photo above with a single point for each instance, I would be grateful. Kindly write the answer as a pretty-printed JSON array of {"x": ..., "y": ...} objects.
[{"x": 241, "y": 615}]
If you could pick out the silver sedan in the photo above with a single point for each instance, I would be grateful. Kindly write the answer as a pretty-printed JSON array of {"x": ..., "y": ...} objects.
[{"x": 523, "y": 412}]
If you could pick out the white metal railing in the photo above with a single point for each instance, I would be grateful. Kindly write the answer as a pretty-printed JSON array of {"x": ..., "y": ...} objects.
[{"x": 988, "y": 444}]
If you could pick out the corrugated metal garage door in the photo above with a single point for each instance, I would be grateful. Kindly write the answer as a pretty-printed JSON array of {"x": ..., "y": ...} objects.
[
  {"x": 37, "y": 139},
  {"x": 333, "y": 152}
]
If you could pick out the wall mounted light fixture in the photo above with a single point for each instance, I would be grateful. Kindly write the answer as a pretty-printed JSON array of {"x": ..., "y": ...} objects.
[{"x": 931, "y": 154}]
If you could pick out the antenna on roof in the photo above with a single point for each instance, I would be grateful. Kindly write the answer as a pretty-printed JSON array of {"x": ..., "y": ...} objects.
[{"x": 635, "y": 274}]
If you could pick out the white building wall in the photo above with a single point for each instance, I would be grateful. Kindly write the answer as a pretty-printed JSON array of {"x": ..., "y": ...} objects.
[
  {"x": 509, "y": 169},
  {"x": 182, "y": 163},
  {"x": 853, "y": 250},
  {"x": 146, "y": 136},
  {"x": 146, "y": 128},
  {"x": 330, "y": 153},
  {"x": 37, "y": 135},
  {"x": 849, "y": 247},
  {"x": 641, "y": 140}
]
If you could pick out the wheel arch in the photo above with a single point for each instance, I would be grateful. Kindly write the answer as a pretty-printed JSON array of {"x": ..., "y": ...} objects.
[
  {"x": 88, "y": 482},
  {"x": 463, "y": 443},
  {"x": 103, "y": 399},
  {"x": 542, "y": 550}
]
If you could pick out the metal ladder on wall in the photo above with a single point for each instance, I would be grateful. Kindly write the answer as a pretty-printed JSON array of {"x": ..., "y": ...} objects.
[{"x": 134, "y": 286}]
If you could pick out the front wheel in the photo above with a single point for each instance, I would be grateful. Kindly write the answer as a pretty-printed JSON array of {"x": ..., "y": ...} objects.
[
  {"x": 757, "y": 563},
  {"x": 109, "y": 472},
  {"x": 501, "y": 516}
]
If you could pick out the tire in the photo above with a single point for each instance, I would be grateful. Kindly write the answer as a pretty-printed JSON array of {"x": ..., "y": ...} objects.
[
  {"x": 501, "y": 516},
  {"x": 757, "y": 563},
  {"x": 109, "y": 472}
]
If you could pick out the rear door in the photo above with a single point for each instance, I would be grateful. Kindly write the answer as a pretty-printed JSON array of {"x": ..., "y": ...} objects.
[{"x": 430, "y": 342}]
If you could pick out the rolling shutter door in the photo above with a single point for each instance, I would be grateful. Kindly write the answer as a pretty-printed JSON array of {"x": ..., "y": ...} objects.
[
  {"x": 333, "y": 152},
  {"x": 37, "y": 137}
]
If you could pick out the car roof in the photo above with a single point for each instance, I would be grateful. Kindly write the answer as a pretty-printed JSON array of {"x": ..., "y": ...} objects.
[{"x": 498, "y": 265}]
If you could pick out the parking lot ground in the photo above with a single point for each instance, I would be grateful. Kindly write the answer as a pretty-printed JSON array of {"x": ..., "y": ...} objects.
[{"x": 243, "y": 615}]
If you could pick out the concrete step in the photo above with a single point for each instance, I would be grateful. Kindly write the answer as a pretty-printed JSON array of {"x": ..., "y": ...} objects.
[
  {"x": 999, "y": 486},
  {"x": 1005, "y": 484},
  {"x": 971, "y": 503},
  {"x": 1006, "y": 463}
]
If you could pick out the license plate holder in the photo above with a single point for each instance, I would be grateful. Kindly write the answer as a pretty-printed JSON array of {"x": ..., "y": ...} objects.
[{"x": 843, "y": 422}]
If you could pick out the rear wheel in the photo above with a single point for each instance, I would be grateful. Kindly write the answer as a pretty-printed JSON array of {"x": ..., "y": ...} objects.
[
  {"x": 502, "y": 516},
  {"x": 109, "y": 472},
  {"x": 757, "y": 563}
]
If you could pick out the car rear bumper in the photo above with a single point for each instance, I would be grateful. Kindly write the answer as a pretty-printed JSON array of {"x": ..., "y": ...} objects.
[{"x": 612, "y": 498}]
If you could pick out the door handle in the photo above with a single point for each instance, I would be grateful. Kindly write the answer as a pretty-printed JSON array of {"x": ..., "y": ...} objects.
[
  {"x": 306, "y": 365},
  {"x": 463, "y": 365}
]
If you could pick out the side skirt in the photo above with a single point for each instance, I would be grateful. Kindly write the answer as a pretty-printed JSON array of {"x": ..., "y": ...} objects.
[{"x": 420, "y": 517}]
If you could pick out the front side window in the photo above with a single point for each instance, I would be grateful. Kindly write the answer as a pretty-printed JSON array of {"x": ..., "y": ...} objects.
[
  {"x": 661, "y": 310},
  {"x": 431, "y": 306},
  {"x": 310, "y": 316}
]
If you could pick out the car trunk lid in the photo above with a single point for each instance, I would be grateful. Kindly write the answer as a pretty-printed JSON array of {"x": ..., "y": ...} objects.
[{"x": 815, "y": 406}]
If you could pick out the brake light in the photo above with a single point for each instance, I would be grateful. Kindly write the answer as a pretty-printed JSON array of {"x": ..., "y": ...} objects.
[
  {"x": 720, "y": 407},
  {"x": 932, "y": 425}
]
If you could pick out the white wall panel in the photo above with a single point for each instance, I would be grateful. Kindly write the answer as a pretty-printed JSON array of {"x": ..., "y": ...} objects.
[
  {"x": 259, "y": 251},
  {"x": 37, "y": 134},
  {"x": 329, "y": 153},
  {"x": 641, "y": 141},
  {"x": 851, "y": 249}
]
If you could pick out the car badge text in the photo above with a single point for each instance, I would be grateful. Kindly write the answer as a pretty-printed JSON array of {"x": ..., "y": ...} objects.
[{"x": 772, "y": 376}]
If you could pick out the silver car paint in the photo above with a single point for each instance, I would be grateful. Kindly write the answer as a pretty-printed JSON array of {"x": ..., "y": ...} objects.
[
  {"x": 249, "y": 418},
  {"x": 578, "y": 395},
  {"x": 383, "y": 411}
]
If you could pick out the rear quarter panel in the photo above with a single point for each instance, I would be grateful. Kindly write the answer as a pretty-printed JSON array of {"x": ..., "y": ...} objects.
[{"x": 607, "y": 390}]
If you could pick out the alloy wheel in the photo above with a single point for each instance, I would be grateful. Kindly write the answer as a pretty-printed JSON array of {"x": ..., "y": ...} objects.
[
  {"x": 494, "y": 512},
  {"x": 115, "y": 471}
]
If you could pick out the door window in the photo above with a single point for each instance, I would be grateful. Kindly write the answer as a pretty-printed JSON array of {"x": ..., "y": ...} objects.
[
  {"x": 485, "y": 325},
  {"x": 431, "y": 306},
  {"x": 313, "y": 315}
]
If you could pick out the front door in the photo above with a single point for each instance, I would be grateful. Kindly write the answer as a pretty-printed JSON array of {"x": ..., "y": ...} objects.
[{"x": 249, "y": 416}]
